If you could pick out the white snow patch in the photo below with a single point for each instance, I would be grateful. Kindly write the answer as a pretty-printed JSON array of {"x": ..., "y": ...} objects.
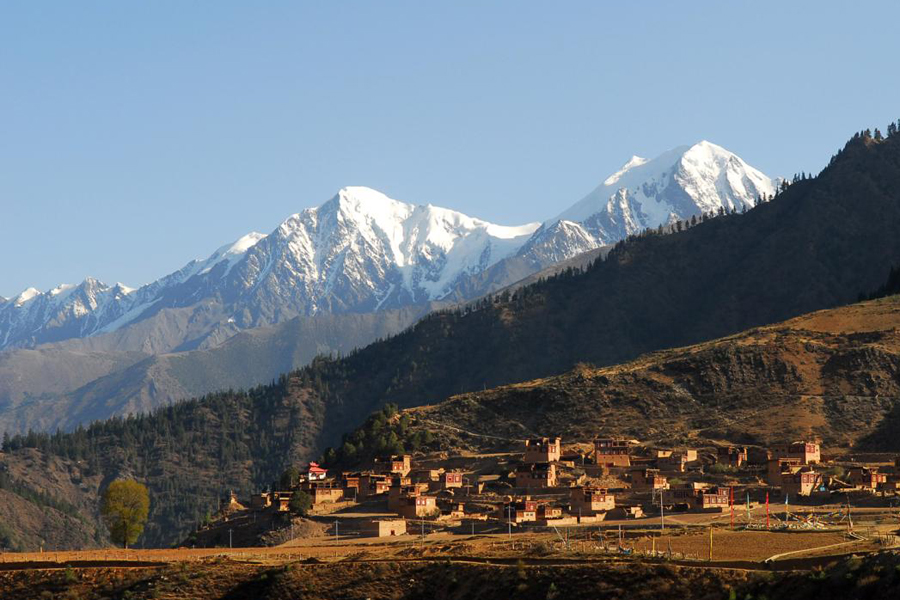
[
  {"x": 710, "y": 175},
  {"x": 634, "y": 161},
  {"x": 26, "y": 295}
]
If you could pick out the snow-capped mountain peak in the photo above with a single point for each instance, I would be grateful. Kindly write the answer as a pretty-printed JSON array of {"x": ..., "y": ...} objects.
[
  {"x": 359, "y": 251},
  {"x": 363, "y": 251},
  {"x": 26, "y": 295},
  {"x": 678, "y": 184},
  {"x": 634, "y": 161},
  {"x": 231, "y": 253}
]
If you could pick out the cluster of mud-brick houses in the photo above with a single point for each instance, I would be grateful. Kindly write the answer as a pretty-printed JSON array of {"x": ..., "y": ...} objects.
[{"x": 612, "y": 478}]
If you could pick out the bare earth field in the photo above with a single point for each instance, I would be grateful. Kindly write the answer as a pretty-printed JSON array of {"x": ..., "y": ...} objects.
[{"x": 583, "y": 563}]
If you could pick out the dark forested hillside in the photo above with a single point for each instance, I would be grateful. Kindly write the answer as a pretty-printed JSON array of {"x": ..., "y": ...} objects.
[
  {"x": 833, "y": 375},
  {"x": 188, "y": 454},
  {"x": 818, "y": 244}
]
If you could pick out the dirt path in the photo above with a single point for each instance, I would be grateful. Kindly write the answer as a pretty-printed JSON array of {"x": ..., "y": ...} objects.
[
  {"x": 472, "y": 433},
  {"x": 776, "y": 557}
]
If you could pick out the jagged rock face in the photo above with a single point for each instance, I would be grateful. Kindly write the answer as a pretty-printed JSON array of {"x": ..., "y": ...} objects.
[
  {"x": 362, "y": 251},
  {"x": 557, "y": 242}
]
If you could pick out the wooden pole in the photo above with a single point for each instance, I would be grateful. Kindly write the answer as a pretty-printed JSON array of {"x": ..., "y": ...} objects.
[
  {"x": 662, "y": 512},
  {"x": 767, "y": 510},
  {"x": 710, "y": 544},
  {"x": 732, "y": 507}
]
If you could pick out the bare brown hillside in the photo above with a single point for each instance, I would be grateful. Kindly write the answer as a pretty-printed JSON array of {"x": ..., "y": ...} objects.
[
  {"x": 47, "y": 501},
  {"x": 832, "y": 375}
]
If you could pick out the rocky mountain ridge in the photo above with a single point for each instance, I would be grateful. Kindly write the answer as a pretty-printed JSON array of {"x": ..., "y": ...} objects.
[{"x": 362, "y": 252}]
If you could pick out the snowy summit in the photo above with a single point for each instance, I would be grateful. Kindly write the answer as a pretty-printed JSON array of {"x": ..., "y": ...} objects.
[{"x": 362, "y": 251}]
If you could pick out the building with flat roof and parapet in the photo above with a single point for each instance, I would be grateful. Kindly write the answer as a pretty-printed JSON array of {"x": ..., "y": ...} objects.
[
  {"x": 396, "y": 464},
  {"x": 518, "y": 511},
  {"x": 536, "y": 475},
  {"x": 451, "y": 479},
  {"x": 384, "y": 527},
  {"x": 776, "y": 467},
  {"x": 321, "y": 492},
  {"x": 548, "y": 511},
  {"x": 712, "y": 499},
  {"x": 371, "y": 484},
  {"x": 542, "y": 450},
  {"x": 350, "y": 481},
  {"x": 612, "y": 452},
  {"x": 801, "y": 482},
  {"x": 648, "y": 479},
  {"x": 588, "y": 500},
  {"x": 867, "y": 478},
  {"x": 397, "y": 492},
  {"x": 733, "y": 456},
  {"x": 809, "y": 453},
  {"x": 417, "y": 506}
]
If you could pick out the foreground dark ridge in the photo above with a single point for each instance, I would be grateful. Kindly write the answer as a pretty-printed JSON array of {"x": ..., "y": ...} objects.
[{"x": 846, "y": 579}]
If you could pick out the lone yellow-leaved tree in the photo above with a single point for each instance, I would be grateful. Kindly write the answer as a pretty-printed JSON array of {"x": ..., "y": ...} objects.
[{"x": 124, "y": 507}]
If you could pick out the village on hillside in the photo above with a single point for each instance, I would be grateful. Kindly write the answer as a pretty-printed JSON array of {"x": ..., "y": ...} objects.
[{"x": 606, "y": 489}]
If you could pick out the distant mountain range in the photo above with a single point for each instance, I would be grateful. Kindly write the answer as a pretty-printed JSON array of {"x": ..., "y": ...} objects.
[
  {"x": 359, "y": 267},
  {"x": 817, "y": 244},
  {"x": 363, "y": 252}
]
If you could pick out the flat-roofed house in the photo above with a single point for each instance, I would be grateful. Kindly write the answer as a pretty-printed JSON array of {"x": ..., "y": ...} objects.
[
  {"x": 589, "y": 500},
  {"x": 537, "y": 475},
  {"x": 612, "y": 452},
  {"x": 801, "y": 482},
  {"x": 648, "y": 479},
  {"x": 396, "y": 464},
  {"x": 261, "y": 500},
  {"x": 371, "y": 484},
  {"x": 677, "y": 461},
  {"x": 398, "y": 492},
  {"x": 281, "y": 500},
  {"x": 451, "y": 479},
  {"x": 733, "y": 456},
  {"x": 809, "y": 453},
  {"x": 519, "y": 511},
  {"x": 542, "y": 450},
  {"x": 548, "y": 511},
  {"x": 385, "y": 527},
  {"x": 776, "y": 467},
  {"x": 867, "y": 477},
  {"x": 712, "y": 499},
  {"x": 323, "y": 491},
  {"x": 416, "y": 506}
]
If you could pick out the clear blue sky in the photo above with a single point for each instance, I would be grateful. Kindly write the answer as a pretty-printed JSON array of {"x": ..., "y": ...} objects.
[{"x": 137, "y": 135}]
